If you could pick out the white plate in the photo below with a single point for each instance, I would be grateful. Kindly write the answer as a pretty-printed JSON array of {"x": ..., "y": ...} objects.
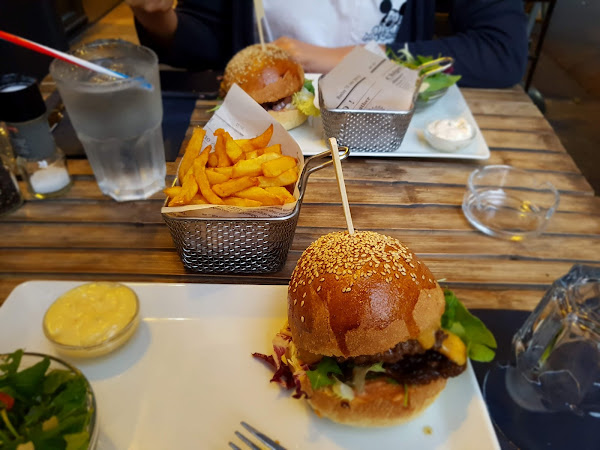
[
  {"x": 310, "y": 134},
  {"x": 186, "y": 379}
]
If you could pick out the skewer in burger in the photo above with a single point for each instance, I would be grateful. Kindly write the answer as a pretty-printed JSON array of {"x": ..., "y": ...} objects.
[
  {"x": 273, "y": 79},
  {"x": 364, "y": 342}
]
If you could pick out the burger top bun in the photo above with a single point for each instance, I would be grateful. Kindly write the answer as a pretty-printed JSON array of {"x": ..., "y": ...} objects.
[
  {"x": 266, "y": 75},
  {"x": 360, "y": 294}
]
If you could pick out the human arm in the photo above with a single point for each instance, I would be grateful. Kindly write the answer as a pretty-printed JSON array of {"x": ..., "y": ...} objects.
[
  {"x": 488, "y": 44},
  {"x": 206, "y": 32}
]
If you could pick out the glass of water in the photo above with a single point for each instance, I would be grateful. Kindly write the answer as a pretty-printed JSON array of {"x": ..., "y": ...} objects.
[
  {"x": 556, "y": 353},
  {"x": 118, "y": 121}
]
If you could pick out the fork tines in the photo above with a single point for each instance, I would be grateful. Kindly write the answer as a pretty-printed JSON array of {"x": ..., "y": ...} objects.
[{"x": 270, "y": 443}]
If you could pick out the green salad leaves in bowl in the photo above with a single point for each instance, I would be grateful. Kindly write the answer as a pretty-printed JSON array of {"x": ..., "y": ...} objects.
[
  {"x": 433, "y": 86},
  {"x": 45, "y": 403}
]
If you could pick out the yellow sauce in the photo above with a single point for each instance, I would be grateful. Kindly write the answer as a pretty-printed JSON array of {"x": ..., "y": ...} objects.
[
  {"x": 452, "y": 347},
  {"x": 91, "y": 314}
]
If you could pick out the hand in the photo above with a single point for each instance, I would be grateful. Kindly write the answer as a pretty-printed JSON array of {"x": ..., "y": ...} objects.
[
  {"x": 151, "y": 6},
  {"x": 313, "y": 58}
]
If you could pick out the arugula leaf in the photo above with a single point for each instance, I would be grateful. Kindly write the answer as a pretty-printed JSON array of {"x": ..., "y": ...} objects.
[
  {"x": 10, "y": 364},
  {"x": 29, "y": 380},
  {"x": 55, "y": 379},
  {"x": 457, "y": 319},
  {"x": 320, "y": 376}
]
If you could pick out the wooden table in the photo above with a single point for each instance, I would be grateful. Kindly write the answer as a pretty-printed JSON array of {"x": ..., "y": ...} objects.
[{"x": 87, "y": 236}]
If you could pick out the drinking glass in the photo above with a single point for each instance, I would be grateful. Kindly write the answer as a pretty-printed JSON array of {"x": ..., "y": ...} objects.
[
  {"x": 556, "y": 353},
  {"x": 118, "y": 121}
]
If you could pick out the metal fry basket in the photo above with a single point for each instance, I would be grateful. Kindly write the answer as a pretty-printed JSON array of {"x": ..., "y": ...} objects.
[
  {"x": 371, "y": 130},
  {"x": 241, "y": 245}
]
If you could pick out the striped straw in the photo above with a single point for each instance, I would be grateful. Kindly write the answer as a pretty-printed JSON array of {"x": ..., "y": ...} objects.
[{"x": 66, "y": 57}]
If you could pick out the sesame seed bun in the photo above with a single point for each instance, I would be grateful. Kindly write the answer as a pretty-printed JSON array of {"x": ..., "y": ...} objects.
[
  {"x": 381, "y": 404},
  {"x": 268, "y": 75},
  {"x": 360, "y": 294}
]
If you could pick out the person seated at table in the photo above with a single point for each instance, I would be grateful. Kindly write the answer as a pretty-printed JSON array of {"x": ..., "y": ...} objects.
[{"x": 488, "y": 40}]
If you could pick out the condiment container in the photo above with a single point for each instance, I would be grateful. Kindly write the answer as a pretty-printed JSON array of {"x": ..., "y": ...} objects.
[
  {"x": 449, "y": 135},
  {"x": 92, "y": 319},
  {"x": 41, "y": 163}
]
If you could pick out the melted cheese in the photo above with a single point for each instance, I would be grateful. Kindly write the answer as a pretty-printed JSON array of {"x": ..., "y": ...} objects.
[
  {"x": 90, "y": 314},
  {"x": 452, "y": 347}
]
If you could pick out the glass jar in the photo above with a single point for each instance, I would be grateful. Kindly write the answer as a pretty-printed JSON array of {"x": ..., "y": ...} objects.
[{"x": 41, "y": 163}]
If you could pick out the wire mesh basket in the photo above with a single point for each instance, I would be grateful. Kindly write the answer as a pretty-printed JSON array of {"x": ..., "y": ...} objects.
[
  {"x": 241, "y": 245},
  {"x": 373, "y": 130}
]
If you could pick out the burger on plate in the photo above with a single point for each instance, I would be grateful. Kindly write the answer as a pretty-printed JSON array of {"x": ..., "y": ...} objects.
[
  {"x": 273, "y": 79},
  {"x": 364, "y": 343}
]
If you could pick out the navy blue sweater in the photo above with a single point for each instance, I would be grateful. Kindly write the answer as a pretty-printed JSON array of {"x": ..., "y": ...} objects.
[{"x": 488, "y": 37}]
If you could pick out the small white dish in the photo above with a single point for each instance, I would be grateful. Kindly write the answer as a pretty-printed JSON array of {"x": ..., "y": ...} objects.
[{"x": 449, "y": 135}]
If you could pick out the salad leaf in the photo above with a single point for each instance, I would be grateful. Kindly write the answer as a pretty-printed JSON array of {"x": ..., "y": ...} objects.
[
  {"x": 433, "y": 83},
  {"x": 457, "y": 319},
  {"x": 319, "y": 377},
  {"x": 308, "y": 85},
  {"x": 49, "y": 405},
  {"x": 304, "y": 101}
]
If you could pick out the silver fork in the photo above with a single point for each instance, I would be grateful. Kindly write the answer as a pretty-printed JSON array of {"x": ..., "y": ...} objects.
[{"x": 264, "y": 439}]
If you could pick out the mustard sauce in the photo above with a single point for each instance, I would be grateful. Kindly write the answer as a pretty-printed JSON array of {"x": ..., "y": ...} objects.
[{"x": 91, "y": 314}]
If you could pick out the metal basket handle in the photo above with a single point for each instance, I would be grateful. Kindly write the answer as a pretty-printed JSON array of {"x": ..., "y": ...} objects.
[{"x": 310, "y": 166}]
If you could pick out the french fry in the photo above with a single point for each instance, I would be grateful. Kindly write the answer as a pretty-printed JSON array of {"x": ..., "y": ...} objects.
[
  {"x": 252, "y": 154},
  {"x": 223, "y": 159},
  {"x": 260, "y": 195},
  {"x": 198, "y": 200},
  {"x": 224, "y": 170},
  {"x": 189, "y": 188},
  {"x": 192, "y": 150},
  {"x": 202, "y": 180},
  {"x": 215, "y": 177},
  {"x": 285, "y": 179},
  {"x": 260, "y": 141},
  {"x": 213, "y": 161},
  {"x": 236, "y": 201},
  {"x": 252, "y": 167},
  {"x": 281, "y": 192},
  {"x": 272, "y": 149},
  {"x": 172, "y": 192},
  {"x": 233, "y": 150},
  {"x": 277, "y": 166},
  {"x": 234, "y": 185}
]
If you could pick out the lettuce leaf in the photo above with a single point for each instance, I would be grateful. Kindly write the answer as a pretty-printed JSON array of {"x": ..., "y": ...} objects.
[
  {"x": 304, "y": 101},
  {"x": 457, "y": 319},
  {"x": 319, "y": 377}
]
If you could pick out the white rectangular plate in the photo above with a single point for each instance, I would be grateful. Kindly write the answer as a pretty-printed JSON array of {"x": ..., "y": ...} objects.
[
  {"x": 452, "y": 105},
  {"x": 187, "y": 378}
]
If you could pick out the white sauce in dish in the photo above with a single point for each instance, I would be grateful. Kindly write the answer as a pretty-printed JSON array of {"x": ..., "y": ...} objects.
[{"x": 451, "y": 129}]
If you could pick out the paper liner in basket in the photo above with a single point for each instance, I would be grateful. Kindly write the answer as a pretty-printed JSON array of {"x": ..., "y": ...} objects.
[{"x": 243, "y": 118}]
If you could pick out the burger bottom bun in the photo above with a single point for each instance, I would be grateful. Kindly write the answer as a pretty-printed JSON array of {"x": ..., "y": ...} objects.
[
  {"x": 289, "y": 118},
  {"x": 381, "y": 404}
]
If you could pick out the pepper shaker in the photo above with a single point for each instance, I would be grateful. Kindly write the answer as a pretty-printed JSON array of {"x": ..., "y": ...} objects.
[{"x": 41, "y": 163}]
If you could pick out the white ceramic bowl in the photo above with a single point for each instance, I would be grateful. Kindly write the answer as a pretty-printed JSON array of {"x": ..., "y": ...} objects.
[{"x": 449, "y": 135}]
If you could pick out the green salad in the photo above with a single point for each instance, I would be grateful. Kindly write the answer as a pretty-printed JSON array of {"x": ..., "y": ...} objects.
[
  {"x": 42, "y": 408},
  {"x": 433, "y": 84}
]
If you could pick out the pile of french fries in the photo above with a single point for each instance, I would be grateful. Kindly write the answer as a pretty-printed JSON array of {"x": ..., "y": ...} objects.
[{"x": 239, "y": 172}]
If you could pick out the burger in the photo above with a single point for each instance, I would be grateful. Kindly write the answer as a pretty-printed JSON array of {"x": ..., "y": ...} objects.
[
  {"x": 273, "y": 79},
  {"x": 364, "y": 342}
]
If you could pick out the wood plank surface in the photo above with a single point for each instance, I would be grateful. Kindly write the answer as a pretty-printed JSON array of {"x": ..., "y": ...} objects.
[{"x": 86, "y": 236}]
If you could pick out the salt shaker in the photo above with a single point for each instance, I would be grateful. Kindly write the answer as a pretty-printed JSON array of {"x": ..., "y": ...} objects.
[{"x": 41, "y": 163}]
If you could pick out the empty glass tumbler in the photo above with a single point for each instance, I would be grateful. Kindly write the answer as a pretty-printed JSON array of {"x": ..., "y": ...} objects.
[{"x": 556, "y": 352}]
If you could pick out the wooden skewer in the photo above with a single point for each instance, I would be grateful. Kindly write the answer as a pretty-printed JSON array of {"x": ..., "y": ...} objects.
[
  {"x": 259, "y": 12},
  {"x": 341, "y": 184}
]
